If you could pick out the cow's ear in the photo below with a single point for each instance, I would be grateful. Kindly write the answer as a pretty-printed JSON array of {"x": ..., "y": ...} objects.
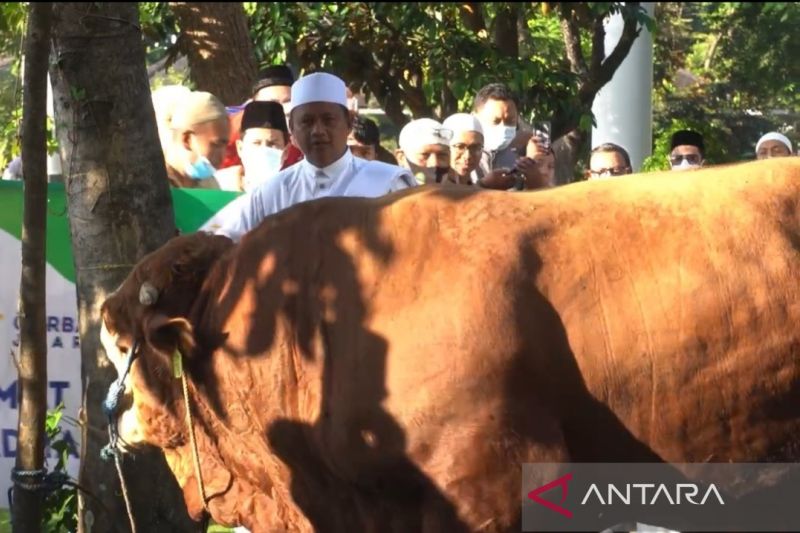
[{"x": 166, "y": 334}]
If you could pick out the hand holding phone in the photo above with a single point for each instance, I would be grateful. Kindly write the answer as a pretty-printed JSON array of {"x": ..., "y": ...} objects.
[{"x": 541, "y": 130}]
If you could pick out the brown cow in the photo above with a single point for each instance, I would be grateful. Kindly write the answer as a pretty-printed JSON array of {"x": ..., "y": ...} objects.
[{"x": 388, "y": 364}]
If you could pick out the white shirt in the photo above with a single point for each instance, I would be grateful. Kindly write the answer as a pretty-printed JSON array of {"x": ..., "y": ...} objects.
[{"x": 348, "y": 176}]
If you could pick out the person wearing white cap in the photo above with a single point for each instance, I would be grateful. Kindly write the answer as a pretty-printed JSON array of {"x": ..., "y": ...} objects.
[
  {"x": 773, "y": 144},
  {"x": 199, "y": 136},
  {"x": 424, "y": 149},
  {"x": 466, "y": 146},
  {"x": 320, "y": 123},
  {"x": 466, "y": 151}
]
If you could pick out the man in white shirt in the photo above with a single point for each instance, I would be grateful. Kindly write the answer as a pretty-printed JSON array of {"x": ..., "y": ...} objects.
[{"x": 320, "y": 123}]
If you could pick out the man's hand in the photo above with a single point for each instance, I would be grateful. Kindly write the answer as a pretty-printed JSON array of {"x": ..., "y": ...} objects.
[
  {"x": 534, "y": 179},
  {"x": 498, "y": 178}
]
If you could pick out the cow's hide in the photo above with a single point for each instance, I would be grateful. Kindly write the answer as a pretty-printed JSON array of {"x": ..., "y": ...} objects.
[{"x": 389, "y": 364}]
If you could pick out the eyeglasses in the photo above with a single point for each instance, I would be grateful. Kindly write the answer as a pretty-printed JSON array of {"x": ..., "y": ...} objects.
[
  {"x": 474, "y": 149},
  {"x": 692, "y": 159},
  {"x": 605, "y": 172},
  {"x": 443, "y": 133}
]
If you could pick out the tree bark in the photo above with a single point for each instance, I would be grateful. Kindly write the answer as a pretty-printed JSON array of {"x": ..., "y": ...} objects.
[
  {"x": 567, "y": 151},
  {"x": 472, "y": 16},
  {"x": 504, "y": 29},
  {"x": 27, "y": 509},
  {"x": 217, "y": 43},
  {"x": 120, "y": 208}
]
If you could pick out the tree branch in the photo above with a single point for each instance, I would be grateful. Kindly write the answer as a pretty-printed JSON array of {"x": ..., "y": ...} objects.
[
  {"x": 504, "y": 29},
  {"x": 472, "y": 16},
  {"x": 598, "y": 44},
  {"x": 572, "y": 44},
  {"x": 603, "y": 74}
]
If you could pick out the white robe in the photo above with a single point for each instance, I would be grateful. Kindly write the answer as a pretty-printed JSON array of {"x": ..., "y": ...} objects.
[{"x": 348, "y": 176}]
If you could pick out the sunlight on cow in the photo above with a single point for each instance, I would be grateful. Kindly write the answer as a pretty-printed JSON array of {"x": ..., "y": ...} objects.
[{"x": 388, "y": 364}]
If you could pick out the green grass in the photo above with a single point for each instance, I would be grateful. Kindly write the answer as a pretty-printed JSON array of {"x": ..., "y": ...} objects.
[
  {"x": 5, "y": 521},
  {"x": 5, "y": 524}
]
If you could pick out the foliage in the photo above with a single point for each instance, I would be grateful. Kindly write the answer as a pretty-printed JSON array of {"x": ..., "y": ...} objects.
[
  {"x": 61, "y": 506},
  {"x": 727, "y": 68},
  {"x": 12, "y": 31},
  {"x": 429, "y": 57},
  {"x": 750, "y": 50}
]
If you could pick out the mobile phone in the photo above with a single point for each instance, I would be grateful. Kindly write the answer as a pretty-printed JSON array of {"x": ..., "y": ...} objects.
[{"x": 541, "y": 129}]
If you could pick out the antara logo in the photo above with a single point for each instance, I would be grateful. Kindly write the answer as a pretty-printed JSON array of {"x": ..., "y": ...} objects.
[
  {"x": 680, "y": 493},
  {"x": 688, "y": 490},
  {"x": 562, "y": 482}
]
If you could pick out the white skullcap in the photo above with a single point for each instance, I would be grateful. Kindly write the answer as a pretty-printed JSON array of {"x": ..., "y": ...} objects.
[
  {"x": 775, "y": 136},
  {"x": 318, "y": 87},
  {"x": 462, "y": 122},
  {"x": 421, "y": 132},
  {"x": 166, "y": 99},
  {"x": 195, "y": 108}
]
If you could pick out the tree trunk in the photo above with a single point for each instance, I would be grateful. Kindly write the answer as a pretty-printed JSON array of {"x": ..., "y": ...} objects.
[
  {"x": 217, "y": 43},
  {"x": 504, "y": 29},
  {"x": 472, "y": 16},
  {"x": 570, "y": 138},
  {"x": 567, "y": 151},
  {"x": 27, "y": 511},
  {"x": 524, "y": 36},
  {"x": 120, "y": 208}
]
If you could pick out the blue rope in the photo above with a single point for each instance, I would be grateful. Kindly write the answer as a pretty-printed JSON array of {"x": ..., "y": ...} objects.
[
  {"x": 111, "y": 404},
  {"x": 36, "y": 481}
]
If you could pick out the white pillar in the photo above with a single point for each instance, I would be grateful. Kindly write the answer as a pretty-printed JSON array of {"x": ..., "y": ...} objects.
[
  {"x": 623, "y": 108},
  {"x": 54, "y": 170}
]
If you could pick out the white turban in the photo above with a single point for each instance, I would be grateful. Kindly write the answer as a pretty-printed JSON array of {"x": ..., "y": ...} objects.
[
  {"x": 318, "y": 87},
  {"x": 462, "y": 122},
  {"x": 421, "y": 132},
  {"x": 775, "y": 136},
  {"x": 195, "y": 108}
]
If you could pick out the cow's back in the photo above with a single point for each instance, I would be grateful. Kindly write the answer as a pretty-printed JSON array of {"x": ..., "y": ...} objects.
[{"x": 451, "y": 334}]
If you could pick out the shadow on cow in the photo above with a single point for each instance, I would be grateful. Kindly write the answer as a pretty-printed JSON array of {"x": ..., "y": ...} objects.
[
  {"x": 293, "y": 304},
  {"x": 389, "y": 364}
]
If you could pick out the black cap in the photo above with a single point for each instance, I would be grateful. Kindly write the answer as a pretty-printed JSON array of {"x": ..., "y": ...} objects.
[
  {"x": 264, "y": 115},
  {"x": 687, "y": 137},
  {"x": 274, "y": 75},
  {"x": 366, "y": 131}
]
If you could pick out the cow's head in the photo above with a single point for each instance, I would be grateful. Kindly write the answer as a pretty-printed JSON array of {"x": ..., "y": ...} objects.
[{"x": 151, "y": 310}]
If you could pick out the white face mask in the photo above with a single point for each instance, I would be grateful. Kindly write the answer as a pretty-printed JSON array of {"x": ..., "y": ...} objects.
[
  {"x": 685, "y": 165},
  {"x": 260, "y": 163},
  {"x": 498, "y": 137}
]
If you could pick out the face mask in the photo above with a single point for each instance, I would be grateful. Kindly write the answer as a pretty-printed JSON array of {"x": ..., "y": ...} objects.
[
  {"x": 685, "y": 165},
  {"x": 201, "y": 169},
  {"x": 498, "y": 137},
  {"x": 427, "y": 175},
  {"x": 260, "y": 164}
]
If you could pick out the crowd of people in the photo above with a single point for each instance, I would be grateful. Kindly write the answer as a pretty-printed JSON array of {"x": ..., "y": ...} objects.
[{"x": 295, "y": 140}]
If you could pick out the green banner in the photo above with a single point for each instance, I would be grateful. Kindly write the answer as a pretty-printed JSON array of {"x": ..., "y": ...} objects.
[{"x": 193, "y": 207}]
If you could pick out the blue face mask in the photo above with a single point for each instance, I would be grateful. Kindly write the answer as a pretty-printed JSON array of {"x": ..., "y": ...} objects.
[{"x": 201, "y": 169}]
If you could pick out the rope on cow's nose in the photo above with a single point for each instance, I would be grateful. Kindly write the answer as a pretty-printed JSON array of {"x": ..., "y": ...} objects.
[
  {"x": 111, "y": 406},
  {"x": 177, "y": 367}
]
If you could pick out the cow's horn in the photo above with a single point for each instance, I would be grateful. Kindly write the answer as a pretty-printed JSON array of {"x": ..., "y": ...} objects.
[{"x": 148, "y": 294}]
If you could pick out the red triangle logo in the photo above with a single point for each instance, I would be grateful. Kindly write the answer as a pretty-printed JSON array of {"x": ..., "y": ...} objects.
[{"x": 560, "y": 482}]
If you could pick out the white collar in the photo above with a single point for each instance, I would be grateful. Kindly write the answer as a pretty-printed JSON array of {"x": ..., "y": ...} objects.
[{"x": 335, "y": 169}]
